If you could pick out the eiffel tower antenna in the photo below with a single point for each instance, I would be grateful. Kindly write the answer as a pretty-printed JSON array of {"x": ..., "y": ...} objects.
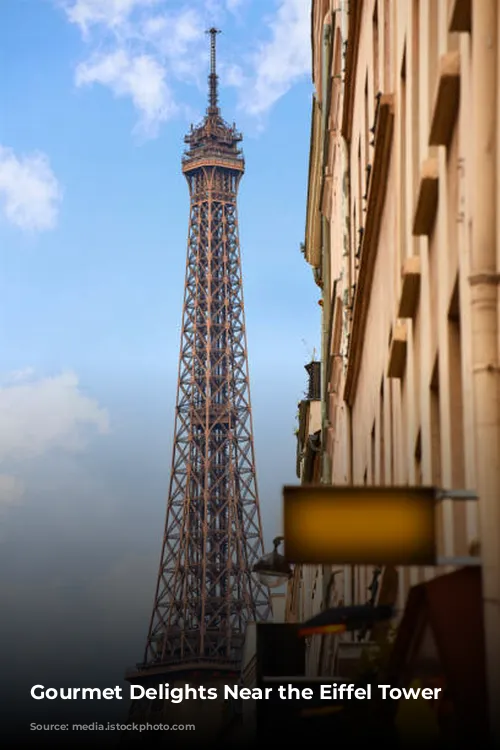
[{"x": 213, "y": 80}]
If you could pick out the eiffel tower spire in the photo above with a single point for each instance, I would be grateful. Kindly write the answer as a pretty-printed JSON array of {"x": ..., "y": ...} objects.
[{"x": 213, "y": 80}]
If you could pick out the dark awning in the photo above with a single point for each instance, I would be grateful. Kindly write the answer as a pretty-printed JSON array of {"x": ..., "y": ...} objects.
[{"x": 340, "y": 619}]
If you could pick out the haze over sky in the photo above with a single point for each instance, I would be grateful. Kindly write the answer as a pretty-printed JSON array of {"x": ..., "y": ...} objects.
[{"x": 95, "y": 98}]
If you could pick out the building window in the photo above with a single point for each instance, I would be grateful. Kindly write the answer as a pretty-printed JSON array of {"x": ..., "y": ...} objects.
[
  {"x": 376, "y": 56},
  {"x": 373, "y": 455},
  {"x": 403, "y": 229},
  {"x": 354, "y": 252},
  {"x": 455, "y": 389},
  {"x": 360, "y": 188},
  {"x": 403, "y": 424},
  {"x": 460, "y": 536},
  {"x": 361, "y": 205},
  {"x": 387, "y": 45},
  {"x": 382, "y": 434},
  {"x": 436, "y": 448},
  {"x": 392, "y": 442},
  {"x": 432, "y": 56},
  {"x": 435, "y": 427},
  {"x": 413, "y": 134},
  {"x": 418, "y": 460},
  {"x": 337, "y": 75},
  {"x": 366, "y": 135}
]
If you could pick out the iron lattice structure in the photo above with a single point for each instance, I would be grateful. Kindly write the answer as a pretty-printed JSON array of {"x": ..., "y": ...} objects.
[{"x": 206, "y": 592}]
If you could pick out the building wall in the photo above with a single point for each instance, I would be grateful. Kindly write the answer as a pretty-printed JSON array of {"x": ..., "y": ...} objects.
[
  {"x": 409, "y": 429},
  {"x": 398, "y": 199},
  {"x": 304, "y": 595}
]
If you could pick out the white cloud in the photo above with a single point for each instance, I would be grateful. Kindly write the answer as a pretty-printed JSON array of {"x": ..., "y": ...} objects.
[
  {"x": 283, "y": 60},
  {"x": 234, "y": 5},
  {"x": 140, "y": 48},
  {"x": 175, "y": 39},
  {"x": 19, "y": 375},
  {"x": 146, "y": 49},
  {"x": 11, "y": 490},
  {"x": 29, "y": 191},
  {"x": 174, "y": 32},
  {"x": 37, "y": 415},
  {"x": 216, "y": 9},
  {"x": 112, "y": 13},
  {"x": 142, "y": 78},
  {"x": 232, "y": 75}
]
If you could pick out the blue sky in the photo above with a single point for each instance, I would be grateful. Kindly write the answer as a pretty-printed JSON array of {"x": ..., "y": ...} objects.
[{"x": 96, "y": 96}]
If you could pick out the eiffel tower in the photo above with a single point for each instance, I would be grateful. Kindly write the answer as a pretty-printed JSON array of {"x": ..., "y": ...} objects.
[{"x": 206, "y": 593}]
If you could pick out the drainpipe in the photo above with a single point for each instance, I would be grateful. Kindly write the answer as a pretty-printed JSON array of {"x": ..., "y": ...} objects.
[
  {"x": 346, "y": 271},
  {"x": 346, "y": 202},
  {"x": 349, "y": 571},
  {"x": 326, "y": 56},
  {"x": 484, "y": 279},
  {"x": 346, "y": 274}
]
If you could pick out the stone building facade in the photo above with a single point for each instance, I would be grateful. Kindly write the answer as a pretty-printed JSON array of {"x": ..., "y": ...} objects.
[{"x": 402, "y": 236}]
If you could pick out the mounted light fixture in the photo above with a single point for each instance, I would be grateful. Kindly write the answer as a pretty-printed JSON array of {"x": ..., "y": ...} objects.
[{"x": 272, "y": 569}]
